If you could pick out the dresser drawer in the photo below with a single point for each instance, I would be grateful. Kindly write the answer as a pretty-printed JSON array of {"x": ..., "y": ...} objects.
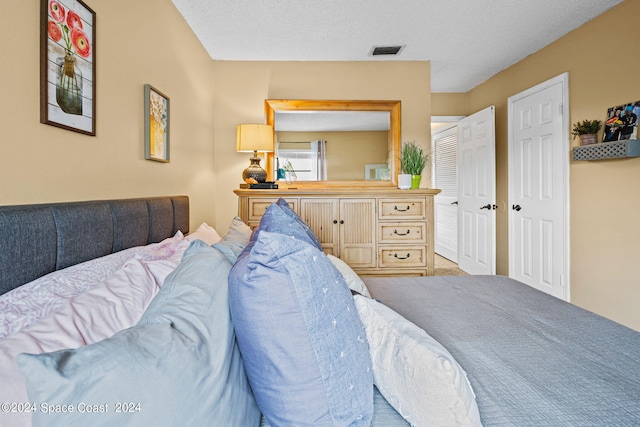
[
  {"x": 409, "y": 208},
  {"x": 402, "y": 256},
  {"x": 402, "y": 232},
  {"x": 257, "y": 206}
]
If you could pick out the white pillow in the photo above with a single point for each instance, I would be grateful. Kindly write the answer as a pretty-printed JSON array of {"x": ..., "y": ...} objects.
[
  {"x": 354, "y": 281},
  {"x": 414, "y": 372},
  {"x": 206, "y": 233}
]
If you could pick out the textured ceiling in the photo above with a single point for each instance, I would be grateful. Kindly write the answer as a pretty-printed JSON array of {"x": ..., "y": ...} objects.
[{"x": 467, "y": 41}]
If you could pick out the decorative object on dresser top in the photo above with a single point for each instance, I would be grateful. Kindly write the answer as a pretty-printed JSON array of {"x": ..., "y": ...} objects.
[
  {"x": 254, "y": 138},
  {"x": 413, "y": 160},
  {"x": 376, "y": 231},
  {"x": 326, "y": 117}
]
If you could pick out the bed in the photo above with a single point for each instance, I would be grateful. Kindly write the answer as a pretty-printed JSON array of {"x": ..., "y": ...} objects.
[{"x": 163, "y": 327}]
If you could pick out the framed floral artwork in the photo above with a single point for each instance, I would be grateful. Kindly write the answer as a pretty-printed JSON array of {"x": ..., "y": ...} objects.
[
  {"x": 156, "y": 125},
  {"x": 68, "y": 65}
]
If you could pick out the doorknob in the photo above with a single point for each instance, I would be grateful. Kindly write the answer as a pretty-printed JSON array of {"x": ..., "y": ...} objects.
[
  {"x": 516, "y": 207},
  {"x": 487, "y": 206}
]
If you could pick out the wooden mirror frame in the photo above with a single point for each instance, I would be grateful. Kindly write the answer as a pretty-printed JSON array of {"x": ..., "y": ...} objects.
[{"x": 393, "y": 107}]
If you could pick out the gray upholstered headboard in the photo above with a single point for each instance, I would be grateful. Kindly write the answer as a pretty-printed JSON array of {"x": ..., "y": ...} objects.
[{"x": 39, "y": 239}]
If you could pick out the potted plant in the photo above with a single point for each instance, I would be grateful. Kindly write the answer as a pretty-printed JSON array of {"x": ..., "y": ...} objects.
[
  {"x": 413, "y": 159},
  {"x": 586, "y": 130}
]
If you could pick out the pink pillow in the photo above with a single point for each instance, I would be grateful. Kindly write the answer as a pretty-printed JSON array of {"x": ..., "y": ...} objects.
[
  {"x": 206, "y": 233},
  {"x": 113, "y": 305}
]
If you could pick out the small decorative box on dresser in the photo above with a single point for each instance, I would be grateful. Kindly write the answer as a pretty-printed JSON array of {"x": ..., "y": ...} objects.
[{"x": 377, "y": 231}]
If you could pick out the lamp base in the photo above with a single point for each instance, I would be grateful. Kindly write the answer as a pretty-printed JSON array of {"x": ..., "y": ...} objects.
[{"x": 254, "y": 171}]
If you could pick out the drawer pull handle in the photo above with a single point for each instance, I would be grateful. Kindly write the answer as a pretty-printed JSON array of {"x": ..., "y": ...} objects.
[
  {"x": 399, "y": 257},
  {"x": 395, "y": 208},
  {"x": 401, "y": 234}
]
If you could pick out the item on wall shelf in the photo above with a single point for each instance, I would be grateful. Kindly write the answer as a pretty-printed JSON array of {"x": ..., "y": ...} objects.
[
  {"x": 622, "y": 122},
  {"x": 156, "y": 125},
  {"x": 254, "y": 138},
  {"x": 413, "y": 160},
  {"x": 68, "y": 66},
  {"x": 586, "y": 130}
]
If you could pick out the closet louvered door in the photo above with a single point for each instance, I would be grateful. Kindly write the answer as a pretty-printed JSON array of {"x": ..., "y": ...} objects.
[{"x": 445, "y": 178}]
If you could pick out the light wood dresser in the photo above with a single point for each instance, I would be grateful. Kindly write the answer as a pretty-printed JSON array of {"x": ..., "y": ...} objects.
[{"x": 377, "y": 231}]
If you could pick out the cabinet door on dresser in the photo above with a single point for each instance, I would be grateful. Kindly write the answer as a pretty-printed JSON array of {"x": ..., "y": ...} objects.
[
  {"x": 358, "y": 232},
  {"x": 346, "y": 228},
  {"x": 321, "y": 215}
]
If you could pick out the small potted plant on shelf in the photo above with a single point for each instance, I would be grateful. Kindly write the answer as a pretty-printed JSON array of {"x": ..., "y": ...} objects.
[
  {"x": 586, "y": 130},
  {"x": 413, "y": 159}
]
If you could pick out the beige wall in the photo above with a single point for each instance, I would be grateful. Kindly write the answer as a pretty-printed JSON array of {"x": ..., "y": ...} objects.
[
  {"x": 242, "y": 87},
  {"x": 42, "y": 163},
  {"x": 605, "y": 195}
]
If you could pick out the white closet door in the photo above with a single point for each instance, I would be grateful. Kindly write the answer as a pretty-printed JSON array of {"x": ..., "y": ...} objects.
[
  {"x": 445, "y": 177},
  {"x": 477, "y": 193}
]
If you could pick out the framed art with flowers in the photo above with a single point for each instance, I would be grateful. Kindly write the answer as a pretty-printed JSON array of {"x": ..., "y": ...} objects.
[
  {"x": 156, "y": 125},
  {"x": 68, "y": 65}
]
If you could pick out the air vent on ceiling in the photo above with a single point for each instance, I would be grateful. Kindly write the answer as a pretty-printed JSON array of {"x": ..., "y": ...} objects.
[{"x": 386, "y": 50}]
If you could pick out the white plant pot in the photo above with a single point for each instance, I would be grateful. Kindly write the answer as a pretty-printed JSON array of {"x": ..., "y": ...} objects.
[{"x": 404, "y": 181}]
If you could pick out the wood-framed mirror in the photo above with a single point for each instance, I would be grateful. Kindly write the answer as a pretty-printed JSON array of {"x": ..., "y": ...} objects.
[{"x": 368, "y": 171}]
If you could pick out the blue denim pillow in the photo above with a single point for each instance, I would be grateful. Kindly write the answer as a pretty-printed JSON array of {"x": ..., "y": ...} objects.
[
  {"x": 291, "y": 214},
  {"x": 304, "y": 348},
  {"x": 180, "y": 363}
]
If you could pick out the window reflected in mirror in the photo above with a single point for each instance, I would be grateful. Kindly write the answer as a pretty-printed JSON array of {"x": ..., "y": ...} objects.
[{"x": 319, "y": 156}]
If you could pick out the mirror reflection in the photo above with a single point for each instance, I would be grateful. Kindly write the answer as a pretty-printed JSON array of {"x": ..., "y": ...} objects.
[
  {"x": 334, "y": 140},
  {"x": 332, "y": 145}
]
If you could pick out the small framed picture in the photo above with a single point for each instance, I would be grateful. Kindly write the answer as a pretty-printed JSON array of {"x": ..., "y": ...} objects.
[
  {"x": 622, "y": 122},
  {"x": 68, "y": 65},
  {"x": 156, "y": 125}
]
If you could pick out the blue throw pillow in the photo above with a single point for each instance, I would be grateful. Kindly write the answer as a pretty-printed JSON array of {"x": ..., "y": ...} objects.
[
  {"x": 291, "y": 214},
  {"x": 304, "y": 348},
  {"x": 180, "y": 363},
  {"x": 278, "y": 218}
]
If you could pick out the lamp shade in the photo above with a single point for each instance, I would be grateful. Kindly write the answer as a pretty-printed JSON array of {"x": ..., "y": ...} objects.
[{"x": 254, "y": 138}]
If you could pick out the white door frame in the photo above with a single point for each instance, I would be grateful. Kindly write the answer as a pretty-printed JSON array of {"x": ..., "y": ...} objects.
[{"x": 564, "y": 79}]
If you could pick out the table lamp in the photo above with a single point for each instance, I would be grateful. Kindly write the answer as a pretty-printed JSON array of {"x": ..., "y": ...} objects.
[{"x": 254, "y": 137}]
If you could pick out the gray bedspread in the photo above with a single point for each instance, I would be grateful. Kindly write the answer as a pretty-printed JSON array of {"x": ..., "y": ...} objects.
[{"x": 532, "y": 359}]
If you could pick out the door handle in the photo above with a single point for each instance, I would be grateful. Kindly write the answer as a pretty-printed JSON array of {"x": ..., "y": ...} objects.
[
  {"x": 454, "y": 203},
  {"x": 487, "y": 206},
  {"x": 516, "y": 207}
]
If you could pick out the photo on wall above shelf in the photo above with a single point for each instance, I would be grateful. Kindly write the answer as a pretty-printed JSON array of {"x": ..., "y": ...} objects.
[{"x": 622, "y": 122}]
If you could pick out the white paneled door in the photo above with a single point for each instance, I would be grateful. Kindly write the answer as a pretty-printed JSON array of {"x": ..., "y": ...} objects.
[
  {"x": 445, "y": 177},
  {"x": 538, "y": 187},
  {"x": 477, "y": 193}
]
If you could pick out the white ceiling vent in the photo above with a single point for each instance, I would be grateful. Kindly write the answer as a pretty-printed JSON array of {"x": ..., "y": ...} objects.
[{"x": 386, "y": 50}]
